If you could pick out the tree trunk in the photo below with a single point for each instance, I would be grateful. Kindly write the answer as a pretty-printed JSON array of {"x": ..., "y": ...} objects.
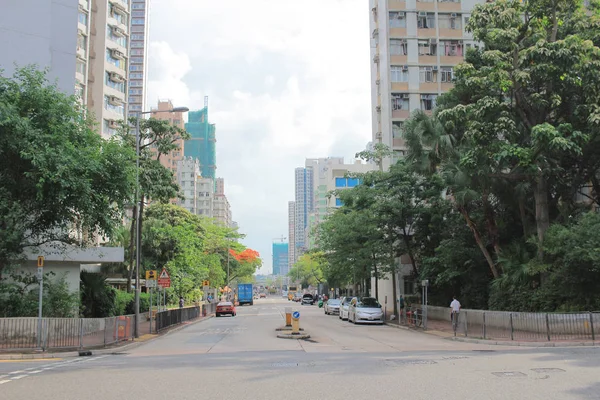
[
  {"x": 376, "y": 282},
  {"x": 482, "y": 247},
  {"x": 492, "y": 227},
  {"x": 406, "y": 239},
  {"x": 140, "y": 227},
  {"x": 132, "y": 240},
  {"x": 523, "y": 215},
  {"x": 395, "y": 293},
  {"x": 542, "y": 212}
]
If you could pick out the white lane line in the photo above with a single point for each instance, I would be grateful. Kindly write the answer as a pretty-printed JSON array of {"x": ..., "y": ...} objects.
[
  {"x": 35, "y": 372},
  {"x": 15, "y": 372},
  {"x": 14, "y": 378},
  {"x": 3, "y": 376},
  {"x": 2, "y": 382},
  {"x": 28, "y": 369}
]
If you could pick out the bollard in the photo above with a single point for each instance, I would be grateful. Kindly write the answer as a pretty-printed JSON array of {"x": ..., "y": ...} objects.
[
  {"x": 288, "y": 316},
  {"x": 296, "y": 323}
]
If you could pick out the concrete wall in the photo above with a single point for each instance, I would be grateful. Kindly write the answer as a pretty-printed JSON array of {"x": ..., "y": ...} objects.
[{"x": 43, "y": 32}]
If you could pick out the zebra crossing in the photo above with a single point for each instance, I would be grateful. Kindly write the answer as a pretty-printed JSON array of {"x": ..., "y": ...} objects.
[{"x": 27, "y": 372}]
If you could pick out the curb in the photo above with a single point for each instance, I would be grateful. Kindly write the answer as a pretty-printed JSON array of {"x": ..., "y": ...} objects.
[
  {"x": 500, "y": 342},
  {"x": 116, "y": 348}
]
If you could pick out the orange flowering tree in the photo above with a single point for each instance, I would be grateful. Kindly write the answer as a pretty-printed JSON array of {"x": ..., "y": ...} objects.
[{"x": 243, "y": 263}]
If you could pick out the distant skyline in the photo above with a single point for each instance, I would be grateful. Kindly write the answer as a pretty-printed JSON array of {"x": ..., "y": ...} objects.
[{"x": 284, "y": 85}]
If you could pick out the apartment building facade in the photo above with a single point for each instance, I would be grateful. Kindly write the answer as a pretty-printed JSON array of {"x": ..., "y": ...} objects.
[
  {"x": 221, "y": 208},
  {"x": 171, "y": 159},
  {"x": 108, "y": 62},
  {"x": 198, "y": 196},
  {"x": 304, "y": 204},
  {"x": 291, "y": 233},
  {"x": 138, "y": 60},
  {"x": 415, "y": 46},
  {"x": 41, "y": 32}
]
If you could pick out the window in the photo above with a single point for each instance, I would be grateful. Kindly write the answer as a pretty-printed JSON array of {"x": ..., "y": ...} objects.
[
  {"x": 136, "y": 83},
  {"x": 83, "y": 18},
  {"x": 137, "y": 37},
  {"x": 79, "y": 91},
  {"x": 398, "y": 47},
  {"x": 137, "y": 52},
  {"x": 136, "y": 68},
  {"x": 400, "y": 101},
  {"x": 138, "y": 14},
  {"x": 137, "y": 28},
  {"x": 135, "y": 91},
  {"x": 426, "y": 20},
  {"x": 81, "y": 42},
  {"x": 428, "y": 101},
  {"x": 114, "y": 13},
  {"x": 137, "y": 60},
  {"x": 450, "y": 21},
  {"x": 397, "y": 20},
  {"x": 447, "y": 74},
  {"x": 114, "y": 61},
  {"x": 452, "y": 47},
  {"x": 120, "y": 109},
  {"x": 137, "y": 75},
  {"x": 353, "y": 182},
  {"x": 426, "y": 74},
  {"x": 137, "y": 6},
  {"x": 137, "y": 44},
  {"x": 338, "y": 202},
  {"x": 397, "y": 129},
  {"x": 107, "y": 129},
  {"x": 137, "y": 21},
  {"x": 427, "y": 48},
  {"x": 399, "y": 74},
  {"x": 117, "y": 86},
  {"x": 80, "y": 67},
  {"x": 120, "y": 40},
  {"x": 340, "y": 182}
]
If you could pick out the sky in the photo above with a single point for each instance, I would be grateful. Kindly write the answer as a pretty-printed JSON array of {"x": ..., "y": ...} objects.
[{"x": 286, "y": 80}]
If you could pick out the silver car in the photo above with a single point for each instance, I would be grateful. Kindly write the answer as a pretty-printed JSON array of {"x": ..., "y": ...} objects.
[
  {"x": 332, "y": 306},
  {"x": 345, "y": 303},
  {"x": 365, "y": 310}
]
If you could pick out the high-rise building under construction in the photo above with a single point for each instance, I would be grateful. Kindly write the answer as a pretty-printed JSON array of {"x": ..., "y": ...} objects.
[{"x": 202, "y": 144}]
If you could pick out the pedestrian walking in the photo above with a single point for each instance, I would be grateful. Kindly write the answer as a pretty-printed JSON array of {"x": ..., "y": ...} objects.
[
  {"x": 181, "y": 302},
  {"x": 402, "y": 305},
  {"x": 454, "y": 312}
]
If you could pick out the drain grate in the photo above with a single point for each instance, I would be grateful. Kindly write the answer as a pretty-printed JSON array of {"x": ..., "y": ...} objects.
[
  {"x": 394, "y": 363},
  {"x": 509, "y": 374},
  {"x": 546, "y": 370}
]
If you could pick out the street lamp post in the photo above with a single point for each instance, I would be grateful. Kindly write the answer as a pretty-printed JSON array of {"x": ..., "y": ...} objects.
[{"x": 138, "y": 203}]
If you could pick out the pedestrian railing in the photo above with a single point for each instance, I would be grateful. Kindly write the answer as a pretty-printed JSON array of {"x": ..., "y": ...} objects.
[
  {"x": 524, "y": 326},
  {"x": 64, "y": 333}
]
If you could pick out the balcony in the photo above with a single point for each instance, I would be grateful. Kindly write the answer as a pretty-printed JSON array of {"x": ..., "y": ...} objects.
[
  {"x": 451, "y": 60},
  {"x": 427, "y": 59},
  {"x": 397, "y": 32},
  {"x": 400, "y": 86},
  {"x": 400, "y": 114},
  {"x": 395, "y": 59},
  {"x": 430, "y": 87},
  {"x": 396, "y": 5},
  {"x": 452, "y": 6},
  {"x": 425, "y": 33}
]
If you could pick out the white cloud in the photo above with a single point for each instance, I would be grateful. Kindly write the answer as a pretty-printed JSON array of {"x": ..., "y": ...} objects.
[{"x": 286, "y": 80}]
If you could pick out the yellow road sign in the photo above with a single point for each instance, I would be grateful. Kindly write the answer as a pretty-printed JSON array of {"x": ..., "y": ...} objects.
[
  {"x": 40, "y": 261},
  {"x": 151, "y": 275},
  {"x": 205, "y": 283}
]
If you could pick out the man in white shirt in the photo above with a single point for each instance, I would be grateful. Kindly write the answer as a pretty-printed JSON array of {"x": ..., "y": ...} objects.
[{"x": 455, "y": 308}]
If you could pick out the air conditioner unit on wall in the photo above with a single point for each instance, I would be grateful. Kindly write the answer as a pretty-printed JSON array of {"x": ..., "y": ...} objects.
[
  {"x": 378, "y": 81},
  {"x": 378, "y": 108},
  {"x": 113, "y": 124},
  {"x": 435, "y": 68},
  {"x": 376, "y": 59},
  {"x": 405, "y": 67},
  {"x": 115, "y": 101},
  {"x": 433, "y": 41},
  {"x": 378, "y": 135},
  {"x": 375, "y": 33},
  {"x": 117, "y": 54},
  {"x": 118, "y": 31},
  {"x": 401, "y": 14},
  {"x": 116, "y": 78},
  {"x": 422, "y": 13},
  {"x": 453, "y": 15}
]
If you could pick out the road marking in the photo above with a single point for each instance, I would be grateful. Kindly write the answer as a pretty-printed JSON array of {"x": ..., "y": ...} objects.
[
  {"x": 16, "y": 372},
  {"x": 2, "y": 382},
  {"x": 14, "y": 378},
  {"x": 35, "y": 372}
]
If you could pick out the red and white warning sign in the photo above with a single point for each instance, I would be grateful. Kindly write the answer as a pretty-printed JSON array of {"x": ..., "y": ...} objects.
[{"x": 164, "y": 279}]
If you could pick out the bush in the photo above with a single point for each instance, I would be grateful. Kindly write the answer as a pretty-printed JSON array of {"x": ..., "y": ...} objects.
[
  {"x": 144, "y": 304},
  {"x": 122, "y": 300},
  {"x": 97, "y": 297}
]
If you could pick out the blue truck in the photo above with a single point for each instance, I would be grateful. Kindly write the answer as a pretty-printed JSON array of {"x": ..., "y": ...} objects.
[{"x": 245, "y": 294}]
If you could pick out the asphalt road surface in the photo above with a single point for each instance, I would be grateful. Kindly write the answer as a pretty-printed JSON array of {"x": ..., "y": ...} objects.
[{"x": 241, "y": 358}]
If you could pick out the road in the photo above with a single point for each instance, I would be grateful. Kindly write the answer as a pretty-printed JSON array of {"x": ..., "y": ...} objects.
[{"x": 241, "y": 358}]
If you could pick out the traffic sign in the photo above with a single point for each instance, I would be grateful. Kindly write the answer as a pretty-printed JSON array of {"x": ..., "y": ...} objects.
[
  {"x": 40, "y": 261},
  {"x": 205, "y": 283},
  {"x": 151, "y": 283},
  {"x": 151, "y": 275},
  {"x": 164, "y": 280},
  {"x": 296, "y": 314}
]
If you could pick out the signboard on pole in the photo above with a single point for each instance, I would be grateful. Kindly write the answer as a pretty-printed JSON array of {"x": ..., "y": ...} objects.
[
  {"x": 150, "y": 283},
  {"x": 151, "y": 275},
  {"x": 164, "y": 280},
  {"x": 205, "y": 283}
]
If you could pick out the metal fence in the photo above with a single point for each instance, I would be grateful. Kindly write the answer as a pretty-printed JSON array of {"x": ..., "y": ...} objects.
[
  {"x": 165, "y": 319},
  {"x": 65, "y": 333},
  {"x": 524, "y": 326}
]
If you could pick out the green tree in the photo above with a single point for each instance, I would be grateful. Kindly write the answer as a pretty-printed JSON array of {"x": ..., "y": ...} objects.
[
  {"x": 156, "y": 138},
  {"x": 56, "y": 173},
  {"x": 309, "y": 268},
  {"x": 97, "y": 297}
]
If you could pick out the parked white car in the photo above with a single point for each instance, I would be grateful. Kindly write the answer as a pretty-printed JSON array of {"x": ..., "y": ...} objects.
[
  {"x": 344, "y": 304},
  {"x": 332, "y": 306},
  {"x": 365, "y": 310}
]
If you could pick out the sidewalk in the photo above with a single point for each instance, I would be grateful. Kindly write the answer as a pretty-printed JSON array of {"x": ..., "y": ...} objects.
[
  {"x": 443, "y": 330},
  {"x": 117, "y": 347}
]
